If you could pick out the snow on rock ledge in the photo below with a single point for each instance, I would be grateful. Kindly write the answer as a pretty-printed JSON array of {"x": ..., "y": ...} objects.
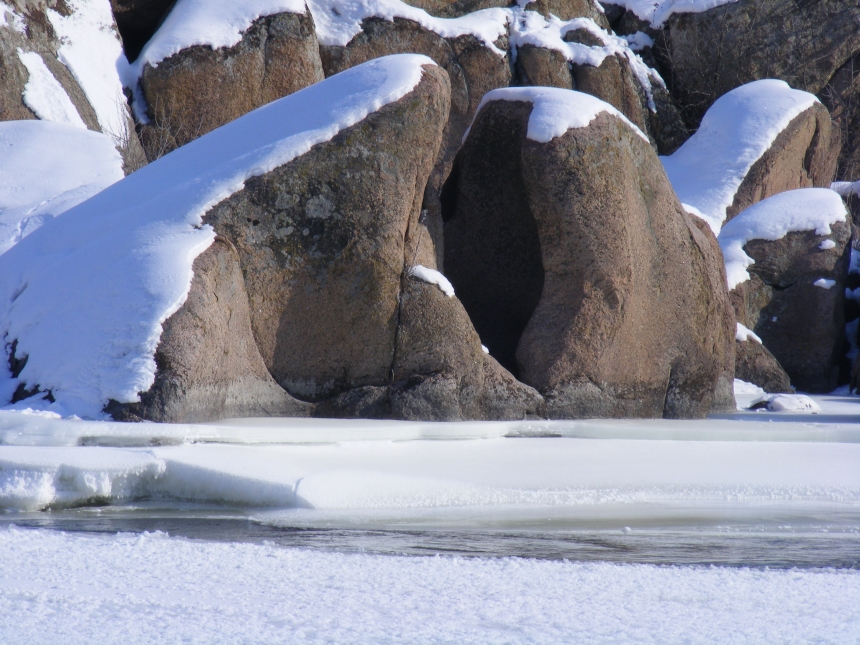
[
  {"x": 85, "y": 296},
  {"x": 47, "y": 168},
  {"x": 738, "y": 129},
  {"x": 555, "y": 110},
  {"x": 807, "y": 209},
  {"x": 658, "y": 12}
]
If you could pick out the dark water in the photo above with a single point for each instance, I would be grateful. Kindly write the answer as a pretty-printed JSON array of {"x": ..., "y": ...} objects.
[{"x": 835, "y": 545}]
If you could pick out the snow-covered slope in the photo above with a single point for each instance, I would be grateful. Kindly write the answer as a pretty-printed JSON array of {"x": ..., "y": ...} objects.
[
  {"x": 736, "y": 131},
  {"x": 47, "y": 168},
  {"x": 555, "y": 110},
  {"x": 807, "y": 209},
  {"x": 85, "y": 295}
]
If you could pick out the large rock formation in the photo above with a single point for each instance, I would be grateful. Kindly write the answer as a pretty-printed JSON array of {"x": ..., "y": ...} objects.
[
  {"x": 794, "y": 297},
  {"x": 710, "y": 53},
  {"x": 474, "y": 70},
  {"x": 841, "y": 95},
  {"x": 137, "y": 21},
  {"x": 755, "y": 364},
  {"x": 198, "y": 89},
  {"x": 209, "y": 366},
  {"x": 578, "y": 265}
]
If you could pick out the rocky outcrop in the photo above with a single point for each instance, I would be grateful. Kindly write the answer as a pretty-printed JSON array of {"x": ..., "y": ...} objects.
[
  {"x": 325, "y": 243},
  {"x": 474, "y": 70},
  {"x": 841, "y": 95},
  {"x": 209, "y": 366},
  {"x": 31, "y": 32},
  {"x": 579, "y": 267},
  {"x": 755, "y": 364},
  {"x": 200, "y": 88},
  {"x": 804, "y": 155},
  {"x": 709, "y": 53},
  {"x": 794, "y": 301}
]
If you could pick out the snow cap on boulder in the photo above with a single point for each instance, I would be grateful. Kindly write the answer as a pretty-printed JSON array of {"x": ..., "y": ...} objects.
[
  {"x": 84, "y": 298},
  {"x": 758, "y": 140}
]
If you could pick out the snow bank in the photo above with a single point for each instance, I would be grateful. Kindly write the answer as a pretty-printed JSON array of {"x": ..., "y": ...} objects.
[
  {"x": 431, "y": 276},
  {"x": 559, "y": 475},
  {"x": 47, "y": 168},
  {"x": 92, "y": 51},
  {"x": 44, "y": 95},
  {"x": 736, "y": 131},
  {"x": 531, "y": 28},
  {"x": 806, "y": 209},
  {"x": 786, "y": 403},
  {"x": 555, "y": 110},
  {"x": 658, "y": 11},
  {"x": 148, "y": 588},
  {"x": 85, "y": 296}
]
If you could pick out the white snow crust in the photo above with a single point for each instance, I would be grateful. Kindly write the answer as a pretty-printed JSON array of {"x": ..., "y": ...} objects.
[
  {"x": 736, "y": 131},
  {"x": 846, "y": 188},
  {"x": 85, "y": 296},
  {"x": 827, "y": 244},
  {"x": 658, "y": 11},
  {"x": 555, "y": 110},
  {"x": 44, "y": 95},
  {"x": 742, "y": 334},
  {"x": 339, "y": 21},
  {"x": 432, "y": 276},
  {"x": 11, "y": 19},
  {"x": 561, "y": 476},
  {"x": 47, "y": 168},
  {"x": 92, "y": 51},
  {"x": 152, "y": 588},
  {"x": 805, "y": 209},
  {"x": 531, "y": 28},
  {"x": 824, "y": 283}
]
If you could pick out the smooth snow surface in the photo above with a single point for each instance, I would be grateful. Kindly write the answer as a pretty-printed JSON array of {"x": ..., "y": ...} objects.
[
  {"x": 658, "y": 11},
  {"x": 806, "y": 209},
  {"x": 736, "y": 131},
  {"x": 742, "y": 334},
  {"x": 151, "y": 588},
  {"x": 47, "y": 168},
  {"x": 531, "y": 28},
  {"x": 44, "y": 95},
  {"x": 555, "y": 110},
  {"x": 86, "y": 294},
  {"x": 92, "y": 50},
  {"x": 432, "y": 276}
]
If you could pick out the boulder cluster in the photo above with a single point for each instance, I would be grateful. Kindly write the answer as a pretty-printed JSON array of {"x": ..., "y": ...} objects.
[{"x": 580, "y": 209}]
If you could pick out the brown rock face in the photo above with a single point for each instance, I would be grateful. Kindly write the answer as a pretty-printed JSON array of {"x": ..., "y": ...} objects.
[
  {"x": 803, "y": 43},
  {"x": 199, "y": 89},
  {"x": 208, "y": 364},
  {"x": 802, "y": 325},
  {"x": 325, "y": 243},
  {"x": 456, "y": 8},
  {"x": 473, "y": 69},
  {"x": 755, "y": 364},
  {"x": 613, "y": 81},
  {"x": 580, "y": 269},
  {"x": 841, "y": 95},
  {"x": 804, "y": 155}
]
